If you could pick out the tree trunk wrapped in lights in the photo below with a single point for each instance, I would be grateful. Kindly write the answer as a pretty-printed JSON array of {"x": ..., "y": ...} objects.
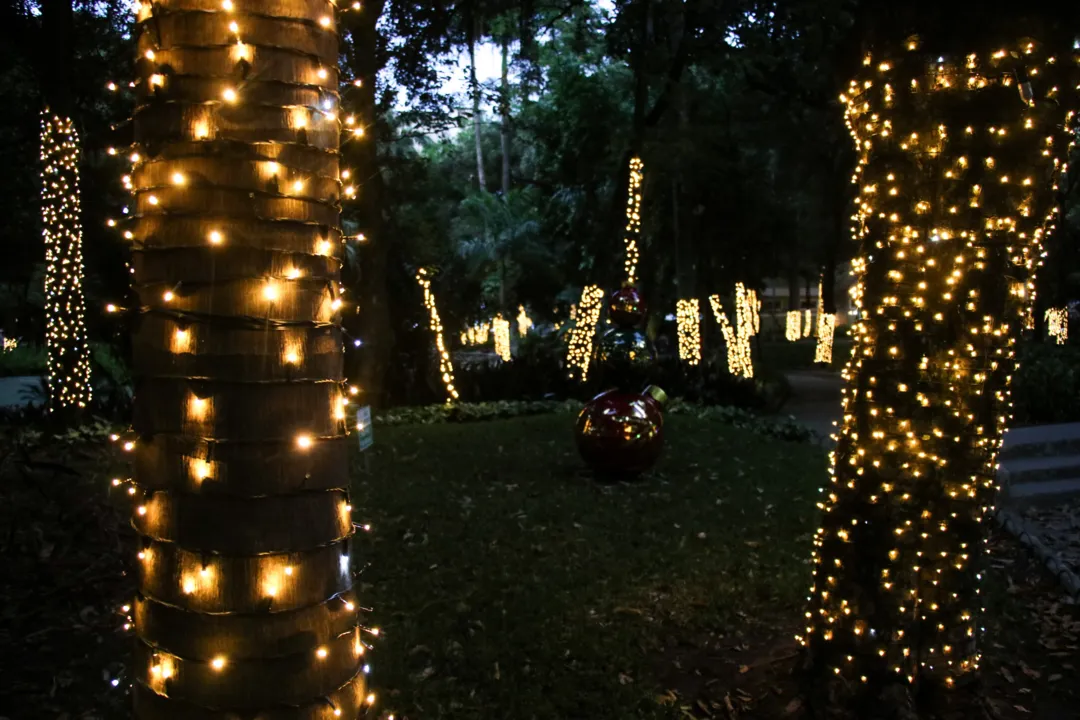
[
  {"x": 68, "y": 376},
  {"x": 246, "y": 603},
  {"x": 65, "y": 307},
  {"x": 956, "y": 180}
]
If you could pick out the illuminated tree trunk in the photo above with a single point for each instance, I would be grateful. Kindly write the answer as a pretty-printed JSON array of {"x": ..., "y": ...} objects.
[
  {"x": 246, "y": 604},
  {"x": 68, "y": 375},
  {"x": 955, "y": 182}
]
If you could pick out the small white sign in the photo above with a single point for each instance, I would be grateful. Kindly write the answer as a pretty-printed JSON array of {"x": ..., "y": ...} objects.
[{"x": 364, "y": 431}]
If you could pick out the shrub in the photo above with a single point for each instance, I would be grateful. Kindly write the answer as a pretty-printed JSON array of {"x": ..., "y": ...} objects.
[{"x": 1046, "y": 388}]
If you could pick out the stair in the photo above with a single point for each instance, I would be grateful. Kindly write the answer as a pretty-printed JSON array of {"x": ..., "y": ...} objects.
[{"x": 1040, "y": 463}]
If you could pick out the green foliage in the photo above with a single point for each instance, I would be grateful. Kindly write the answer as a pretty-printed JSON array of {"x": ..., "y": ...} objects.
[
  {"x": 1046, "y": 388},
  {"x": 25, "y": 359}
]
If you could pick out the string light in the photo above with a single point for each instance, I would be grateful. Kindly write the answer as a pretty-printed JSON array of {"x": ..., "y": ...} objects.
[
  {"x": 65, "y": 308},
  {"x": 580, "y": 350},
  {"x": 501, "y": 329},
  {"x": 912, "y": 477},
  {"x": 688, "y": 316},
  {"x": 826, "y": 329},
  {"x": 632, "y": 238},
  {"x": 1057, "y": 324},
  {"x": 233, "y": 436},
  {"x": 524, "y": 323},
  {"x": 793, "y": 329},
  {"x": 446, "y": 364}
]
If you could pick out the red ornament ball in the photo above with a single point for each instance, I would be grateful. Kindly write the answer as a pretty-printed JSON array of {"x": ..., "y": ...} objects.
[
  {"x": 622, "y": 433},
  {"x": 626, "y": 307}
]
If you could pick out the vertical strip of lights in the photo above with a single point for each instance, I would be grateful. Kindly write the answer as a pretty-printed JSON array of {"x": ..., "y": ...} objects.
[
  {"x": 586, "y": 315},
  {"x": 446, "y": 363},
  {"x": 1057, "y": 324},
  {"x": 688, "y": 316},
  {"x": 632, "y": 238},
  {"x": 793, "y": 329},
  {"x": 501, "y": 330},
  {"x": 68, "y": 375}
]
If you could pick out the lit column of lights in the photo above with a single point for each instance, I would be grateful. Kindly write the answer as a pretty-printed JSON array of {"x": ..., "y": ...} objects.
[
  {"x": 65, "y": 307},
  {"x": 688, "y": 316},
  {"x": 247, "y": 601},
  {"x": 958, "y": 160},
  {"x": 793, "y": 329},
  {"x": 446, "y": 363},
  {"x": 587, "y": 314},
  {"x": 632, "y": 238},
  {"x": 501, "y": 330},
  {"x": 808, "y": 323},
  {"x": 1057, "y": 324},
  {"x": 524, "y": 322},
  {"x": 826, "y": 329},
  {"x": 739, "y": 357}
]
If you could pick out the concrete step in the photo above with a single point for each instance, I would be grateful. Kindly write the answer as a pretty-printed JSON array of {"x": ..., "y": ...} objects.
[
  {"x": 1041, "y": 491},
  {"x": 1040, "y": 440},
  {"x": 1043, "y": 467}
]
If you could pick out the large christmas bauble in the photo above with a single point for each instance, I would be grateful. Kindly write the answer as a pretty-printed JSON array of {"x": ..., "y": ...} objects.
[
  {"x": 626, "y": 308},
  {"x": 621, "y": 434},
  {"x": 623, "y": 358}
]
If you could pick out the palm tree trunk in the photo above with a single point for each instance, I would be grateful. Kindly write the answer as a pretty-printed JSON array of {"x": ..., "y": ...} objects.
[
  {"x": 68, "y": 377},
  {"x": 474, "y": 90},
  {"x": 246, "y": 604},
  {"x": 504, "y": 108},
  {"x": 374, "y": 325}
]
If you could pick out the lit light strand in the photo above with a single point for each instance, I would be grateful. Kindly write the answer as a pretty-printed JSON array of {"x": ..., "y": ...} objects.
[
  {"x": 688, "y": 316},
  {"x": 947, "y": 213},
  {"x": 1057, "y": 324},
  {"x": 501, "y": 331},
  {"x": 524, "y": 322},
  {"x": 446, "y": 364},
  {"x": 68, "y": 375},
  {"x": 585, "y": 315},
  {"x": 793, "y": 327},
  {"x": 632, "y": 238}
]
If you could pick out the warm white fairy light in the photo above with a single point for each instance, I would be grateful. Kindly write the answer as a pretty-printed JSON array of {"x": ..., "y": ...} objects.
[
  {"x": 808, "y": 323},
  {"x": 737, "y": 337},
  {"x": 793, "y": 329},
  {"x": 524, "y": 322},
  {"x": 826, "y": 329},
  {"x": 1057, "y": 324},
  {"x": 579, "y": 354},
  {"x": 446, "y": 364},
  {"x": 501, "y": 330},
  {"x": 938, "y": 316},
  {"x": 688, "y": 316},
  {"x": 632, "y": 238},
  {"x": 65, "y": 308}
]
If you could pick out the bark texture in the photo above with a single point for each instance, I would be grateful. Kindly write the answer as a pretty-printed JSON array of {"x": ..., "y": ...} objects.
[{"x": 246, "y": 604}]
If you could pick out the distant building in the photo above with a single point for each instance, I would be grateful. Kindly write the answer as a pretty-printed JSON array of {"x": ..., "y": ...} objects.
[{"x": 776, "y": 293}]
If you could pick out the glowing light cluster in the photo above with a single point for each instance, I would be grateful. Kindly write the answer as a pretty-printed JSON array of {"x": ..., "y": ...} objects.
[
  {"x": 586, "y": 315},
  {"x": 632, "y": 238},
  {"x": 476, "y": 335},
  {"x": 1057, "y": 324},
  {"x": 501, "y": 330},
  {"x": 740, "y": 360},
  {"x": 948, "y": 208},
  {"x": 688, "y": 316},
  {"x": 793, "y": 328},
  {"x": 524, "y": 322},
  {"x": 826, "y": 329},
  {"x": 808, "y": 323},
  {"x": 446, "y": 364},
  {"x": 65, "y": 306}
]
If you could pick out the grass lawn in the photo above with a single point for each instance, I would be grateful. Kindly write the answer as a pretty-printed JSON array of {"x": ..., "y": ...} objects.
[{"x": 508, "y": 584}]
